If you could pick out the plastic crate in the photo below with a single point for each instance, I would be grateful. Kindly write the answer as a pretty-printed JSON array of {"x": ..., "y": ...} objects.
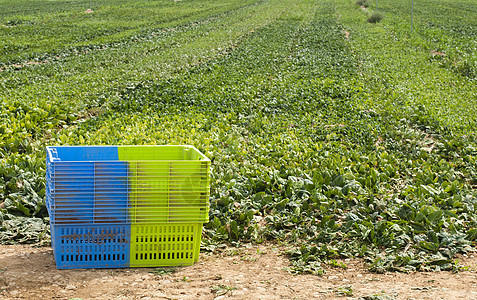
[
  {"x": 165, "y": 244},
  {"x": 168, "y": 192},
  {"x": 88, "y": 193},
  {"x": 91, "y": 246},
  {"x": 127, "y": 184},
  {"x": 121, "y": 246},
  {"x": 126, "y": 206}
]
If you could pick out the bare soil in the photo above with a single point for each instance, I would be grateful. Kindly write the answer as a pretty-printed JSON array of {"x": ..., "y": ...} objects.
[
  {"x": 346, "y": 33},
  {"x": 437, "y": 53},
  {"x": 251, "y": 272}
]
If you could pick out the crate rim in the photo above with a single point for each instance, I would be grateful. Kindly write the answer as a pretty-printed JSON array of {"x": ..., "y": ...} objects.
[{"x": 51, "y": 159}]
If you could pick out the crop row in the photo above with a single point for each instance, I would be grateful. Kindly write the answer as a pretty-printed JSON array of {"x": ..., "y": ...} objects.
[
  {"x": 43, "y": 37},
  {"x": 39, "y": 101},
  {"x": 302, "y": 155},
  {"x": 449, "y": 39},
  {"x": 326, "y": 133}
]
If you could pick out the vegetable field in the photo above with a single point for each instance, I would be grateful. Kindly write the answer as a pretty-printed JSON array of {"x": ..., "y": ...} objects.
[{"x": 328, "y": 134}]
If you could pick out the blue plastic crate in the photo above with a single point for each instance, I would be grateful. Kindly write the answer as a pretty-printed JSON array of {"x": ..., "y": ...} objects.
[
  {"x": 86, "y": 185},
  {"x": 91, "y": 246},
  {"x": 83, "y": 153}
]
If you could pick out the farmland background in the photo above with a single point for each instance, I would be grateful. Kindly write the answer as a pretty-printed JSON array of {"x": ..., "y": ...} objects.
[{"x": 331, "y": 135}]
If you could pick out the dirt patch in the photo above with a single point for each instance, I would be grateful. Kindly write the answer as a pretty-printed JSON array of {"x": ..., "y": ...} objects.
[
  {"x": 251, "y": 272},
  {"x": 28, "y": 63},
  {"x": 89, "y": 11},
  {"x": 437, "y": 53},
  {"x": 88, "y": 114},
  {"x": 428, "y": 143},
  {"x": 378, "y": 141},
  {"x": 346, "y": 34}
]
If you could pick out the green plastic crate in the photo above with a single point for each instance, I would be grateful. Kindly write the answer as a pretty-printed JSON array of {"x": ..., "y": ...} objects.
[
  {"x": 175, "y": 244},
  {"x": 167, "y": 183}
]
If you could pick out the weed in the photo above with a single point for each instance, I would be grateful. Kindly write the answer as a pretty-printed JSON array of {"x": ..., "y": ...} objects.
[
  {"x": 378, "y": 296},
  {"x": 376, "y": 17},
  {"x": 345, "y": 290},
  {"x": 337, "y": 264},
  {"x": 222, "y": 289},
  {"x": 248, "y": 258},
  {"x": 261, "y": 252},
  {"x": 163, "y": 271}
]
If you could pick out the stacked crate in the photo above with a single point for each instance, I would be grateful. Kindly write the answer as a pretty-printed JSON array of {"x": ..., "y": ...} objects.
[{"x": 126, "y": 206}]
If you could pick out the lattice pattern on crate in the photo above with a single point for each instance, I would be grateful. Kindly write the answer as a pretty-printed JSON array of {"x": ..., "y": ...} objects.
[
  {"x": 91, "y": 246},
  {"x": 138, "y": 189},
  {"x": 165, "y": 244},
  {"x": 126, "y": 206}
]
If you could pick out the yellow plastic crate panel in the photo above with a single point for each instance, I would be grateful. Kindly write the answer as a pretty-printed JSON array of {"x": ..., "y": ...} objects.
[
  {"x": 158, "y": 245},
  {"x": 168, "y": 191}
]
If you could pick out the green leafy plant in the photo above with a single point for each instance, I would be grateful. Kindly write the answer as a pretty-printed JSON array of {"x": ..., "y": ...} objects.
[
  {"x": 222, "y": 289},
  {"x": 364, "y": 3},
  {"x": 346, "y": 290},
  {"x": 163, "y": 271},
  {"x": 334, "y": 148},
  {"x": 376, "y": 17}
]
